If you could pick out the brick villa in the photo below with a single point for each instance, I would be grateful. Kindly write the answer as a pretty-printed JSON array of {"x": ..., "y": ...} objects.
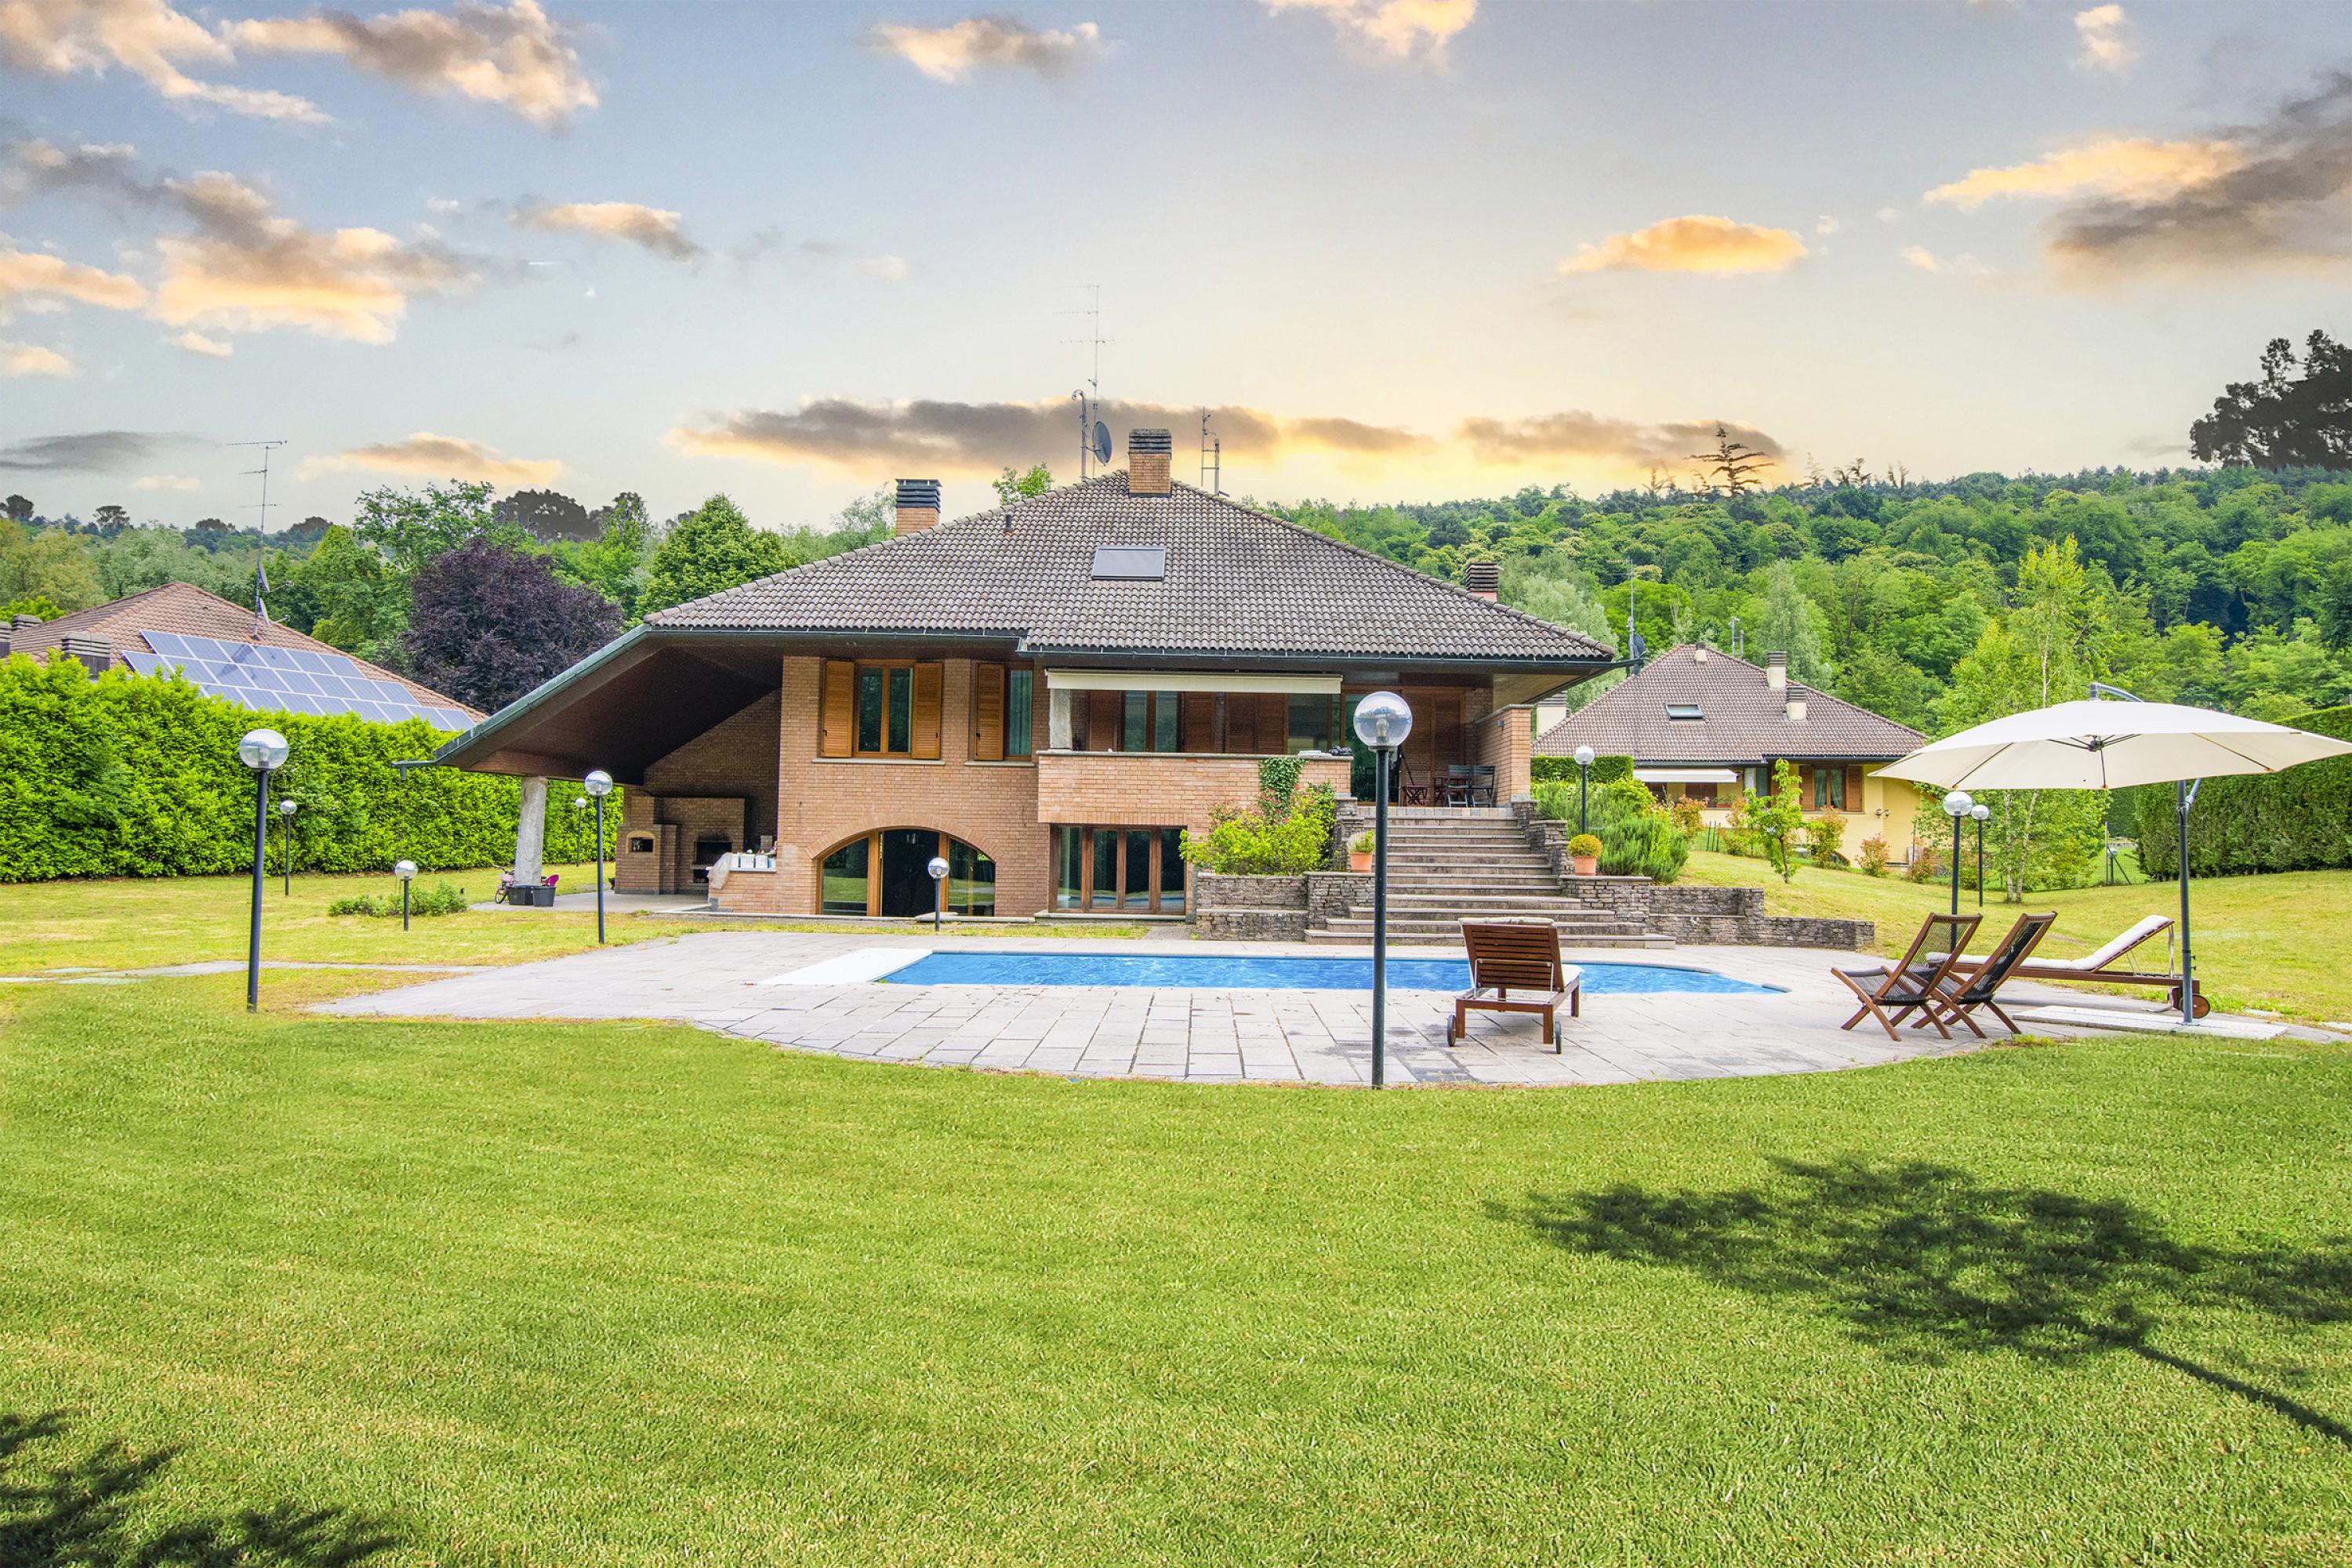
[
  {"x": 1046, "y": 695},
  {"x": 1702, "y": 725}
]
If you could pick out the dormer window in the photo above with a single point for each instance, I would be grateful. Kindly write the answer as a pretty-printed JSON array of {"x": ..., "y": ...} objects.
[
  {"x": 1130, "y": 563},
  {"x": 1685, "y": 710}
]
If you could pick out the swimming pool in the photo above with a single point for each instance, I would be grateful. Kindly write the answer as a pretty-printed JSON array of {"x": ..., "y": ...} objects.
[{"x": 1218, "y": 972}]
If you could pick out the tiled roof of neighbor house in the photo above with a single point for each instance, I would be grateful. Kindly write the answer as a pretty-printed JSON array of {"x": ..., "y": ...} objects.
[
  {"x": 184, "y": 608},
  {"x": 1743, "y": 719},
  {"x": 1236, "y": 582}
]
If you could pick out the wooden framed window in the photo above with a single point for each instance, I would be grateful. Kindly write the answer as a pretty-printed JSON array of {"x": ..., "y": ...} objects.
[
  {"x": 880, "y": 708},
  {"x": 1829, "y": 789},
  {"x": 1137, "y": 870},
  {"x": 1003, "y": 712},
  {"x": 887, "y": 872}
]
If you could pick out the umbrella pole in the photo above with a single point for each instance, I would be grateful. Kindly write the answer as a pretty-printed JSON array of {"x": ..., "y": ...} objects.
[{"x": 2185, "y": 792}]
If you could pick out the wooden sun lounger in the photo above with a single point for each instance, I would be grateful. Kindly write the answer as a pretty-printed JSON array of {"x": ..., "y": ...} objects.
[
  {"x": 1517, "y": 955},
  {"x": 1957, "y": 994},
  {"x": 2106, "y": 964},
  {"x": 1908, "y": 985}
]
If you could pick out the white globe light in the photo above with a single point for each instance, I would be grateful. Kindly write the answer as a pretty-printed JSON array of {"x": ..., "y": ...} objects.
[
  {"x": 1980, "y": 811},
  {"x": 1957, "y": 804},
  {"x": 1384, "y": 721},
  {"x": 579, "y": 803},
  {"x": 264, "y": 751},
  {"x": 938, "y": 867},
  {"x": 1584, "y": 755},
  {"x": 404, "y": 869},
  {"x": 285, "y": 808},
  {"x": 598, "y": 784}
]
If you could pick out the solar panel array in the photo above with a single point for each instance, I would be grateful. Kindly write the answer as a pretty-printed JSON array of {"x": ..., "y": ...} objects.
[{"x": 287, "y": 679}]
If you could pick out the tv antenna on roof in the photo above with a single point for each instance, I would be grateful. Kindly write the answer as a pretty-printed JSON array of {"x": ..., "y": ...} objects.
[
  {"x": 1094, "y": 435},
  {"x": 1213, "y": 458},
  {"x": 261, "y": 535}
]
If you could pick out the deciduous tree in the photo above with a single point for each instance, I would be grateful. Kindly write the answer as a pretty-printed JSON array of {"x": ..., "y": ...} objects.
[
  {"x": 487, "y": 622},
  {"x": 711, "y": 549}
]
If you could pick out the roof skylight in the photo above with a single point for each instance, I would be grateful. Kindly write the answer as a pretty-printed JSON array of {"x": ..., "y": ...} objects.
[
  {"x": 1130, "y": 563},
  {"x": 1685, "y": 710}
]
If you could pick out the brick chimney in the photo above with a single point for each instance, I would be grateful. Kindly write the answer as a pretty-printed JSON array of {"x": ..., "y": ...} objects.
[
  {"x": 1794, "y": 705},
  {"x": 1776, "y": 668},
  {"x": 1147, "y": 462},
  {"x": 1483, "y": 578},
  {"x": 919, "y": 505}
]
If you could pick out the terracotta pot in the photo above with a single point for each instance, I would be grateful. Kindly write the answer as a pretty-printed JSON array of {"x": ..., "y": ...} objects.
[
  {"x": 1585, "y": 865},
  {"x": 1359, "y": 859}
]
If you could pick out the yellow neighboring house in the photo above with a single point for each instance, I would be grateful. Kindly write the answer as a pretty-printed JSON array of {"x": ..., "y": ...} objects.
[{"x": 1702, "y": 725}]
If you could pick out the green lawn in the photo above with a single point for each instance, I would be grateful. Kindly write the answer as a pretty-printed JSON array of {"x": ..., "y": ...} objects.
[
  {"x": 133, "y": 922},
  {"x": 2275, "y": 942},
  {"x": 600, "y": 1294}
]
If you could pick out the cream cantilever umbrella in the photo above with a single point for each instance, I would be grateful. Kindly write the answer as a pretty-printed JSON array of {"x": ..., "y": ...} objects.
[{"x": 2093, "y": 744}]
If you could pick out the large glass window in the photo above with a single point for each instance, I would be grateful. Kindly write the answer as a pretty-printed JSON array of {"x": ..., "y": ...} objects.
[
  {"x": 1138, "y": 870},
  {"x": 1069, "y": 866},
  {"x": 1311, "y": 721},
  {"x": 1164, "y": 710},
  {"x": 889, "y": 873},
  {"x": 1829, "y": 789},
  {"x": 1135, "y": 730},
  {"x": 902, "y": 708},
  {"x": 869, "y": 708},
  {"x": 846, "y": 880},
  {"x": 1020, "y": 713}
]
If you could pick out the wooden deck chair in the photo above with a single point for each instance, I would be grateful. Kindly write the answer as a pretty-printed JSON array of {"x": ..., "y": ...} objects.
[
  {"x": 1958, "y": 992},
  {"x": 2105, "y": 964},
  {"x": 1517, "y": 955},
  {"x": 1905, "y": 986}
]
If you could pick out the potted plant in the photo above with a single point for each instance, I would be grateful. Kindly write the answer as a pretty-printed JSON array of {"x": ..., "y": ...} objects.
[
  {"x": 1584, "y": 854},
  {"x": 1360, "y": 851}
]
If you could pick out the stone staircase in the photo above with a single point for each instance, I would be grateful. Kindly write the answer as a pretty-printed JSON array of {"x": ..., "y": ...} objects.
[{"x": 1446, "y": 867}]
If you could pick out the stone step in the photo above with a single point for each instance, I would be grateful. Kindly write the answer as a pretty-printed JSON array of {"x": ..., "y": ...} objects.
[
  {"x": 1453, "y": 939},
  {"x": 1423, "y": 920},
  {"x": 1546, "y": 903}
]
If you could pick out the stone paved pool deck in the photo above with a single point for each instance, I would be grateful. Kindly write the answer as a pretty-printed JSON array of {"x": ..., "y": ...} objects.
[{"x": 723, "y": 981}]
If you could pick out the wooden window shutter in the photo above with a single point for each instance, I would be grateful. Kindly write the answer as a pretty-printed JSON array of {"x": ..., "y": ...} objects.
[
  {"x": 1853, "y": 786},
  {"x": 925, "y": 740},
  {"x": 1241, "y": 725},
  {"x": 838, "y": 709},
  {"x": 1104, "y": 720},
  {"x": 987, "y": 712},
  {"x": 1272, "y": 722},
  {"x": 1196, "y": 722}
]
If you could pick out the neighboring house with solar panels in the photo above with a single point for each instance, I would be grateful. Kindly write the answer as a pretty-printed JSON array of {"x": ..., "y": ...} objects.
[
  {"x": 1705, "y": 727},
  {"x": 1044, "y": 695},
  {"x": 220, "y": 647}
]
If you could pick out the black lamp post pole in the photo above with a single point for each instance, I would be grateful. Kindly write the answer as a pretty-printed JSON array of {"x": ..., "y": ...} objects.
[
  {"x": 1956, "y": 866},
  {"x": 1583, "y": 794},
  {"x": 1380, "y": 920},
  {"x": 599, "y": 871},
  {"x": 404, "y": 903},
  {"x": 286, "y": 854},
  {"x": 260, "y": 847},
  {"x": 1981, "y": 822}
]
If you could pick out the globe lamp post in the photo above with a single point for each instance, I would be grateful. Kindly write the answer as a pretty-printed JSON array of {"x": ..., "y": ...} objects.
[
  {"x": 938, "y": 871},
  {"x": 599, "y": 784},
  {"x": 285, "y": 844},
  {"x": 1583, "y": 785},
  {"x": 1382, "y": 722},
  {"x": 406, "y": 871},
  {"x": 263, "y": 751},
  {"x": 1956, "y": 806}
]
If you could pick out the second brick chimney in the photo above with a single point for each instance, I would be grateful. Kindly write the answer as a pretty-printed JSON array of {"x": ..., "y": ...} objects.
[
  {"x": 1776, "y": 668},
  {"x": 919, "y": 505},
  {"x": 1147, "y": 462}
]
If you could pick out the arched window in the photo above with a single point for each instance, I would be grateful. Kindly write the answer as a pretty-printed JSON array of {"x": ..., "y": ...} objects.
[{"x": 887, "y": 872}]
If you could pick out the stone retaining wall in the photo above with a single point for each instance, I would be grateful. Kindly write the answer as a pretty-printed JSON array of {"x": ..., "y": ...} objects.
[{"x": 1249, "y": 909}]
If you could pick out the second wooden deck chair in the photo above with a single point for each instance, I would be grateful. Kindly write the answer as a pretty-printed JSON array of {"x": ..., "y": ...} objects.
[
  {"x": 1958, "y": 992},
  {"x": 1907, "y": 986},
  {"x": 1522, "y": 957},
  {"x": 2107, "y": 963}
]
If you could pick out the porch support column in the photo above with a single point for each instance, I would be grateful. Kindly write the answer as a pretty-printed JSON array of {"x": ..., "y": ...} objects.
[
  {"x": 1059, "y": 727},
  {"x": 530, "y": 831}
]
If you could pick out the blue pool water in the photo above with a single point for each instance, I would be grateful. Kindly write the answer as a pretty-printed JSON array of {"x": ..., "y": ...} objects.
[{"x": 1237, "y": 973}]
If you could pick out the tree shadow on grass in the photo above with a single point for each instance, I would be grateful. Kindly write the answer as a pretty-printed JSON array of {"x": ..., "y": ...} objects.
[
  {"x": 1923, "y": 1261},
  {"x": 78, "y": 1514}
]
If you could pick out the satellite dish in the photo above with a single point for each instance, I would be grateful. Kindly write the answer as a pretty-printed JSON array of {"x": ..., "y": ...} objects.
[{"x": 1102, "y": 442}]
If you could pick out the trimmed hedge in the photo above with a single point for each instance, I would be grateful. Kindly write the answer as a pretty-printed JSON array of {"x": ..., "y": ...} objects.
[
  {"x": 2299, "y": 820},
  {"x": 1560, "y": 770},
  {"x": 132, "y": 776}
]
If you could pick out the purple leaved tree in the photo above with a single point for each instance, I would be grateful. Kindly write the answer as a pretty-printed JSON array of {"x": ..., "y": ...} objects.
[{"x": 487, "y": 622}]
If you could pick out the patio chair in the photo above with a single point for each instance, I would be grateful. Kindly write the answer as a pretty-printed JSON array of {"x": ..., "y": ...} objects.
[
  {"x": 1481, "y": 785},
  {"x": 1461, "y": 781},
  {"x": 1517, "y": 955},
  {"x": 1957, "y": 993},
  {"x": 1905, "y": 986},
  {"x": 2106, "y": 964}
]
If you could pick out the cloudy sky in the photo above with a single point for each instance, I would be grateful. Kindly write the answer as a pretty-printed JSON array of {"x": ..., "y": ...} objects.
[{"x": 1404, "y": 248}]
